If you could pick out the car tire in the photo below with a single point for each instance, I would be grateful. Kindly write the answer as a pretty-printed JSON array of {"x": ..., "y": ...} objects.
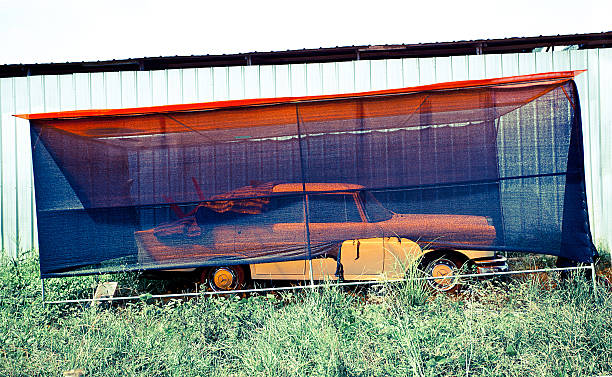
[
  {"x": 224, "y": 278},
  {"x": 445, "y": 265}
]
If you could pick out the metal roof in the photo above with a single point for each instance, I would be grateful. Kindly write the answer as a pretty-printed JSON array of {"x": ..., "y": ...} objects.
[{"x": 318, "y": 55}]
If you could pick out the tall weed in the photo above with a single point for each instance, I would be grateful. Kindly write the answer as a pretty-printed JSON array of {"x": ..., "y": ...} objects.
[{"x": 496, "y": 328}]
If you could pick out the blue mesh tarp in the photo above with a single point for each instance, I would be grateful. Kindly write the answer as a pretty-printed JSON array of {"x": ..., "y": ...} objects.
[{"x": 486, "y": 165}]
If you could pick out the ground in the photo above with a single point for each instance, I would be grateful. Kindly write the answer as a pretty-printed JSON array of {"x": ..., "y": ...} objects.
[{"x": 530, "y": 326}]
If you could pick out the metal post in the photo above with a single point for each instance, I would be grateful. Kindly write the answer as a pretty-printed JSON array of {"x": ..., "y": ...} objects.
[
  {"x": 307, "y": 222},
  {"x": 310, "y": 267},
  {"x": 42, "y": 290},
  {"x": 305, "y": 198},
  {"x": 96, "y": 283},
  {"x": 594, "y": 279}
]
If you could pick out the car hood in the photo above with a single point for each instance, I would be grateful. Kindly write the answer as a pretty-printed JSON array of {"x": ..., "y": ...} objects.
[{"x": 441, "y": 228}]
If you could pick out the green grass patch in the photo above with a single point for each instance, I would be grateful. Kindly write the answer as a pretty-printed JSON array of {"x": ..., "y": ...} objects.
[{"x": 496, "y": 328}]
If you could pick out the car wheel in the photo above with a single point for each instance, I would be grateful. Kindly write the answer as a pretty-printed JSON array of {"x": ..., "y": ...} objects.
[
  {"x": 440, "y": 268},
  {"x": 226, "y": 278}
]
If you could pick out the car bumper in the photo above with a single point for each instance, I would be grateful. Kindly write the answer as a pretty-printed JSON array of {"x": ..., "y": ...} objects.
[{"x": 486, "y": 265}]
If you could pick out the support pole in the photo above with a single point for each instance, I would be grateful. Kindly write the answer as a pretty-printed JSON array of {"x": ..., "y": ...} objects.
[
  {"x": 310, "y": 267},
  {"x": 594, "y": 279},
  {"x": 42, "y": 290},
  {"x": 305, "y": 198},
  {"x": 97, "y": 282}
]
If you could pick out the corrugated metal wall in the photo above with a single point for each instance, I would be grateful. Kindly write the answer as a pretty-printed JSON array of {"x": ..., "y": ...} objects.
[{"x": 130, "y": 89}]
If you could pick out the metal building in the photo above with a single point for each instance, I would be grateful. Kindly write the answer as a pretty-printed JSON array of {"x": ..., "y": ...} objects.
[{"x": 173, "y": 80}]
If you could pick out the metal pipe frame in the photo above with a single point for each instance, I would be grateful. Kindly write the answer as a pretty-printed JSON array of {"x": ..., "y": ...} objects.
[{"x": 312, "y": 286}]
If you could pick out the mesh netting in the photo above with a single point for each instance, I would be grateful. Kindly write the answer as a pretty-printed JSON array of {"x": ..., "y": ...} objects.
[{"x": 495, "y": 167}]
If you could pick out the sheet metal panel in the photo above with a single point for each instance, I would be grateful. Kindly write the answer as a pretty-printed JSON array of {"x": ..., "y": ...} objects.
[{"x": 146, "y": 88}]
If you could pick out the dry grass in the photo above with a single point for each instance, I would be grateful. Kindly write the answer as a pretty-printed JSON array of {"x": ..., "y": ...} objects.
[{"x": 495, "y": 328}]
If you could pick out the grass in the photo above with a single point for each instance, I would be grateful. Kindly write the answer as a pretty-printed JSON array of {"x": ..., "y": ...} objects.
[{"x": 513, "y": 328}]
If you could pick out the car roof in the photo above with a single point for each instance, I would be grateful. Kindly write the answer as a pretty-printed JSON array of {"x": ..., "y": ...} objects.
[{"x": 310, "y": 187}]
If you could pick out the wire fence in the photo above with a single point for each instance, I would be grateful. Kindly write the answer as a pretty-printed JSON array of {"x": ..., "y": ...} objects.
[{"x": 313, "y": 286}]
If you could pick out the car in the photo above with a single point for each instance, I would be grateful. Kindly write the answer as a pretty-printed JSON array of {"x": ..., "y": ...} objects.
[{"x": 352, "y": 237}]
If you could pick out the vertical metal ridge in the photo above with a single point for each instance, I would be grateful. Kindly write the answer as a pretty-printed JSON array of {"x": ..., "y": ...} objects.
[
  {"x": 601, "y": 146},
  {"x": 16, "y": 155},
  {"x": 2, "y": 187},
  {"x": 31, "y": 173}
]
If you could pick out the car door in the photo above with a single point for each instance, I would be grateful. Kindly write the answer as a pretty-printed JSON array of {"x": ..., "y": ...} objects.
[
  {"x": 280, "y": 231},
  {"x": 335, "y": 218}
]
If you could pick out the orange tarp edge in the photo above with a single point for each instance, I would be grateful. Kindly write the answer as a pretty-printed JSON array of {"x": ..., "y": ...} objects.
[{"x": 554, "y": 76}]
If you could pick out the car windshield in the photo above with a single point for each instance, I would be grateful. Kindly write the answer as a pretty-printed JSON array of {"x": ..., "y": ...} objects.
[{"x": 374, "y": 210}]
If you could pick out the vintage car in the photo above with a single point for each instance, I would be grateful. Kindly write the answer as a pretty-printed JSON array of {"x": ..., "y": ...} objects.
[{"x": 352, "y": 236}]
